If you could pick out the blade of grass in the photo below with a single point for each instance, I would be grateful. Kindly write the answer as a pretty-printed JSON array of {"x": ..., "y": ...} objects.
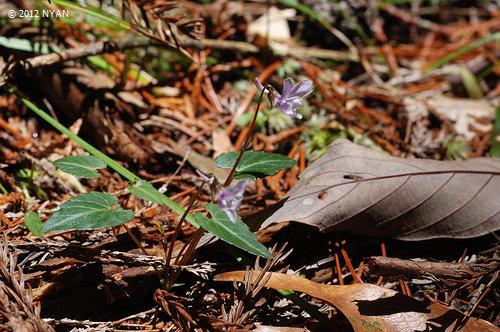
[
  {"x": 465, "y": 49},
  {"x": 308, "y": 11},
  {"x": 354, "y": 23},
  {"x": 470, "y": 83},
  {"x": 95, "y": 13}
]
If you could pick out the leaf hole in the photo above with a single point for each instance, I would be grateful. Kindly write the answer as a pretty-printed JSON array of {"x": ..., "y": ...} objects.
[
  {"x": 352, "y": 177},
  {"x": 322, "y": 195}
]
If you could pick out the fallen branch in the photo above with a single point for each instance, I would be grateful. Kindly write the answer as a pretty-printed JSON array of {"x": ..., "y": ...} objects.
[
  {"x": 387, "y": 266},
  {"x": 101, "y": 47}
]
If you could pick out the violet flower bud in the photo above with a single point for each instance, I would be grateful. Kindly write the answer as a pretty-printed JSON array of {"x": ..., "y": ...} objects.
[
  {"x": 205, "y": 178},
  {"x": 260, "y": 86}
]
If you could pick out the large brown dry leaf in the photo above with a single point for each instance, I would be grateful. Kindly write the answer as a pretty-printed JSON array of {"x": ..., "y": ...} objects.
[
  {"x": 370, "y": 193},
  {"x": 373, "y": 308}
]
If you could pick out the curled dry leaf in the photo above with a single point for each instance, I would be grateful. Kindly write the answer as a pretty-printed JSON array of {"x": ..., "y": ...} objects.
[
  {"x": 373, "y": 308},
  {"x": 371, "y": 193}
]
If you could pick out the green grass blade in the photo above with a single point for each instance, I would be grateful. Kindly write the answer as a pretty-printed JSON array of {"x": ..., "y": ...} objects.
[
  {"x": 306, "y": 10},
  {"x": 465, "y": 49},
  {"x": 354, "y": 21},
  {"x": 95, "y": 13},
  {"x": 471, "y": 83}
]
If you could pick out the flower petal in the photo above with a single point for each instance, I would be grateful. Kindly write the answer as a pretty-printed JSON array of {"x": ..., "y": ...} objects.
[
  {"x": 259, "y": 85},
  {"x": 289, "y": 105},
  {"x": 229, "y": 198},
  {"x": 287, "y": 87},
  {"x": 302, "y": 89},
  {"x": 231, "y": 214},
  {"x": 241, "y": 186},
  {"x": 204, "y": 177}
]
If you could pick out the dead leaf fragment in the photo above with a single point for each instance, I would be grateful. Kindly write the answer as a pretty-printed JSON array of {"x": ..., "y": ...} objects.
[
  {"x": 366, "y": 192},
  {"x": 221, "y": 142},
  {"x": 373, "y": 308},
  {"x": 466, "y": 114},
  {"x": 273, "y": 25}
]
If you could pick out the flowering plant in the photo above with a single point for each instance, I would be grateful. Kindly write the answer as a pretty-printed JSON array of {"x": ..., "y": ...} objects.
[
  {"x": 249, "y": 164},
  {"x": 225, "y": 222},
  {"x": 292, "y": 95}
]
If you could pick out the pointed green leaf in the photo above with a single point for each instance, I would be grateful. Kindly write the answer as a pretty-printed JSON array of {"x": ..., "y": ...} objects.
[
  {"x": 254, "y": 165},
  {"x": 87, "y": 212},
  {"x": 237, "y": 234},
  {"x": 34, "y": 223},
  {"x": 82, "y": 166}
]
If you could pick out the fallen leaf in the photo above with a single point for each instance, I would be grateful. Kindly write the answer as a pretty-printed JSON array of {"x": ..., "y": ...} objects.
[
  {"x": 268, "y": 328},
  {"x": 273, "y": 26},
  {"x": 468, "y": 116},
  {"x": 221, "y": 142},
  {"x": 371, "y": 193},
  {"x": 373, "y": 308}
]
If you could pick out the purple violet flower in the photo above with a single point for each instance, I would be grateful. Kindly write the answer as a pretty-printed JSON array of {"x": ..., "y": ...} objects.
[
  {"x": 229, "y": 198},
  {"x": 291, "y": 98}
]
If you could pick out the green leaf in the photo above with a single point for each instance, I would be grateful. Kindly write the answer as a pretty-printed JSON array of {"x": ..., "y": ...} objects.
[
  {"x": 237, "y": 234},
  {"x": 87, "y": 212},
  {"x": 118, "y": 22},
  {"x": 495, "y": 136},
  {"x": 82, "y": 166},
  {"x": 34, "y": 223},
  {"x": 254, "y": 165}
]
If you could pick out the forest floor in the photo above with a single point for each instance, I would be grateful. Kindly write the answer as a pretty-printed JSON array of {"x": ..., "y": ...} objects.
[{"x": 398, "y": 232}]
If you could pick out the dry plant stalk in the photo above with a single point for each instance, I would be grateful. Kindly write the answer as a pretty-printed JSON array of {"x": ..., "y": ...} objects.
[
  {"x": 246, "y": 294},
  {"x": 173, "y": 306},
  {"x": 449, "y": 276},
  {"x": 17, "y": 311}
]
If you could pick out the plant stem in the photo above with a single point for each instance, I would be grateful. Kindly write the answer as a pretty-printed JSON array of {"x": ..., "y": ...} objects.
[
  {"x": 183, "y": 256},
  {"x": 179, "y": 224},
  {"x": 245, "y": 144}
]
